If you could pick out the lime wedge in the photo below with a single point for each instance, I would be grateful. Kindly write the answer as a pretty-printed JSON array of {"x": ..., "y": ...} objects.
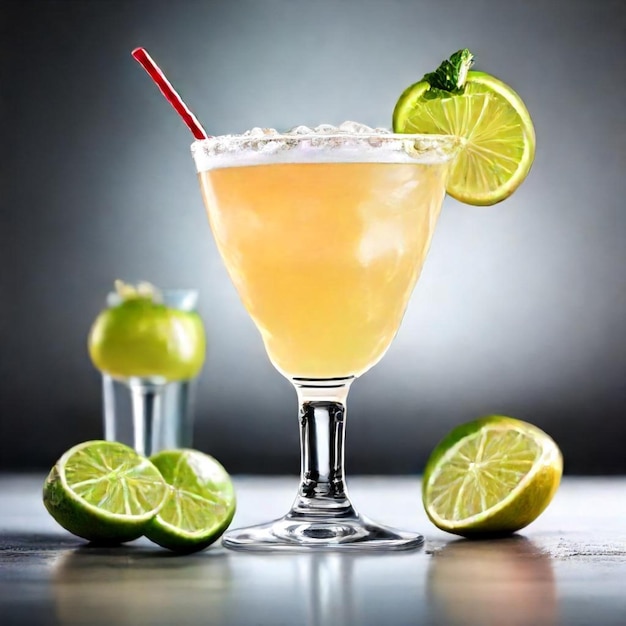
[
  {"x": 104, "y": 492},
  {"x": 499, "y": 145},
  {"x": 201, "y": 502},
  {"x": 143, "y": 338},
  {"x": 494, "y": 475}
]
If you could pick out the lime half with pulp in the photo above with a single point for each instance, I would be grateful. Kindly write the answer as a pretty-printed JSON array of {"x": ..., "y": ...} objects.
[
  {"x": 491, "y": 118},
  {"x": 104, "y": 492},
  {"x": 200, "y": 505},
  {"x": 494, "y": 475}
]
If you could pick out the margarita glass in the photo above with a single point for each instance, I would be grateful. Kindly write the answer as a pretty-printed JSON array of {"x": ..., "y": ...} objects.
[{"x": 324, "y": 233}]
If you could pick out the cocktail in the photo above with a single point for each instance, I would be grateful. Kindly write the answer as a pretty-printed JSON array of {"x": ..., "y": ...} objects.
[{"x": 324, "y": 233}]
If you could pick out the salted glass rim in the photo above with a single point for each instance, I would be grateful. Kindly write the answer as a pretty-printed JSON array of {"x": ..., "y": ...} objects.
[{"x": 277, "y": 147}]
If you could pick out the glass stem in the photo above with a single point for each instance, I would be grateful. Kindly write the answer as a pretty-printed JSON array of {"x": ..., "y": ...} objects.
[
  {"x": 146, "y": 406},
  {"x": 322, "y": 491}
]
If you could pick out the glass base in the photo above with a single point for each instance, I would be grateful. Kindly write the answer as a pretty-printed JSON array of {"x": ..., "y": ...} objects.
[
  {"x": 322, "y": 516},
  {"x": 309, "y": 533}
]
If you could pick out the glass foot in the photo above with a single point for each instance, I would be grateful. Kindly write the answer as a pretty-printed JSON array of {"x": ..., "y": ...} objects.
[{"x": 304, "y": 534}]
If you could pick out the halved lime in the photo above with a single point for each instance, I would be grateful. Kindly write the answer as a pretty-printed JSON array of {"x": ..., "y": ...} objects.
[
  {"x": 493, "y": 475},
  {"x": 143, "y": 338},
  {"x": 201, "y": 502},
  {"x": 104, "y": 491},
  {"x": 499, "y": 136}
]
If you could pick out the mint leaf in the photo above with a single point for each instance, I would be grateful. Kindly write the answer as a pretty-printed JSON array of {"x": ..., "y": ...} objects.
[{"x": 449, "y": 78}]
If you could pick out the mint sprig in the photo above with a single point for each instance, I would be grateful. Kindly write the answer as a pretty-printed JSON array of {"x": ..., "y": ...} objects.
[{"x": 449, "y": 78}]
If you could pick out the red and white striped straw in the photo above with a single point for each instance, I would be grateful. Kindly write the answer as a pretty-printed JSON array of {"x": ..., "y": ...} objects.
[{"x": 155, "y": 73}]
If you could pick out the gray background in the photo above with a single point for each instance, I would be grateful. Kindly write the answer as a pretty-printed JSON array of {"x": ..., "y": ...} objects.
[{"x": 520, "y": 309}]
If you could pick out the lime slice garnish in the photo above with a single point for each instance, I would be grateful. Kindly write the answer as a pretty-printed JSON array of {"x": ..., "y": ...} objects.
[
  {"x": 201, "y": 502},
  {"x": 493, "y": 475},
  {"x": 104, "y": 491},
  {"x": 498, "y": 133},
  {"x": 143, "y": 338}
]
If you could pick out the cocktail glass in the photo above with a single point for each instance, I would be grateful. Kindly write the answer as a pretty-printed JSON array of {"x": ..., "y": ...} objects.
[{"x": 324, "y": 234}]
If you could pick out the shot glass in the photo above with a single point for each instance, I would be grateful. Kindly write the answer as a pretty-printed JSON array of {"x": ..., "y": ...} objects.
[{"x": 149, "y": 414}]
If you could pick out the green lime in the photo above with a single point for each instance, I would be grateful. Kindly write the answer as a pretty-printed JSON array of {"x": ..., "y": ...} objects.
[
  {"x": 498, "y": 133},
  {"x": 140, "y": 337},
  {"x": 494, "y": 475},
  {"x": 104, "y": 492},
  {"x": 201, "y": 502}
]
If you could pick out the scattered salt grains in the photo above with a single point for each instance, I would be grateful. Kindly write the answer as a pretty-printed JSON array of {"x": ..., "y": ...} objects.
[
  {"x": 271, "y": 146},
  {"x": 300, "y": 130},
  {"x": 326, "y": 129},
  {"x": 357, "y": 128},
  {"x": 259, "y": 133}
]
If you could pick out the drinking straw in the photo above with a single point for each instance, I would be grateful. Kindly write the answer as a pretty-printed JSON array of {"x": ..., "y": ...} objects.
[{"x": 155, "y": 73}]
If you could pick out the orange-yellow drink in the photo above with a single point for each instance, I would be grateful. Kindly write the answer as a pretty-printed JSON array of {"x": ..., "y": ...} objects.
[{"x": 325, "y": 255}]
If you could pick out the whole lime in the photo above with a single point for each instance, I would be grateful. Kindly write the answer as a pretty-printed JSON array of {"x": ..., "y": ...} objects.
[{"x": 146, "y": 339}]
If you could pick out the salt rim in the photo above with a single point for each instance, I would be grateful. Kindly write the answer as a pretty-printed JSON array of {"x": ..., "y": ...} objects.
[{"x": 348, "y": 142}]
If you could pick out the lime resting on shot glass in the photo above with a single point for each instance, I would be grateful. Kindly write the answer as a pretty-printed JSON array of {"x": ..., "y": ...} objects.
[
  {"x": 200, "y": 505},
  {"x": 494, "y": 475},
  {"x": 142, "y": 337},
  {"x": 104, "y": 492},
  {"x": 491, "y": 118}
]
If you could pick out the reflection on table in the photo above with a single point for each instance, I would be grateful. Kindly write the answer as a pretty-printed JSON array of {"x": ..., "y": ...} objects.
[
  {"x": 486, "y": 582},
  {"x": 567, "y": 568}
]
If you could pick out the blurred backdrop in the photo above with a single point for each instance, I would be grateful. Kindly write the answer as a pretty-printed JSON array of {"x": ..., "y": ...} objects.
[{"x": 520, "y": 309}]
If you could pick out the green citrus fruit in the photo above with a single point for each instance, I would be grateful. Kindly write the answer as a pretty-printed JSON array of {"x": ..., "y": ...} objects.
[
  {"x": 145, "y": 339},
  {"x": 201, "y": 502},
  {"x": 498, "y": 134},
  {"x": 494, "y": 475},
  {"x": 104, "y": 492}
]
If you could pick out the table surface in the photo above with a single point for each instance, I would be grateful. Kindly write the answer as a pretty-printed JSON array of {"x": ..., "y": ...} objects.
[{"x": 568, "y": 567}]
